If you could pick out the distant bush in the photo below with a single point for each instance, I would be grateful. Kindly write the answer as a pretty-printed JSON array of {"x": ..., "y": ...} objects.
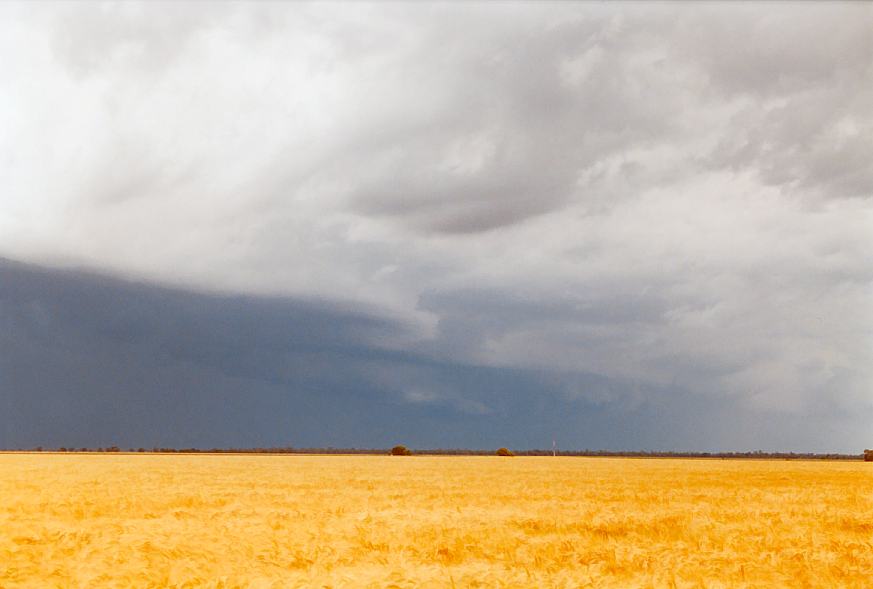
[
  {"x": 868, "y": 455},
  {"x": 504, "y": 452},
  {"x": 400, "y": 450}
]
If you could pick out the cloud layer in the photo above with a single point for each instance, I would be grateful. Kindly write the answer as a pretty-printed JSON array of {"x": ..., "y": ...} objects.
[
  {"x": 93, "y": 361},
  {"x": 674, "y": 200}
]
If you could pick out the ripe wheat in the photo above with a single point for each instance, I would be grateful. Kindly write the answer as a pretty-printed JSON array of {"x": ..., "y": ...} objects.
[{"x": 338, "y": 521}]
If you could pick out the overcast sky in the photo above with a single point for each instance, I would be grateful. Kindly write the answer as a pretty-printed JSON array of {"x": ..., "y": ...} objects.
[{"x": 622, "y": 225}]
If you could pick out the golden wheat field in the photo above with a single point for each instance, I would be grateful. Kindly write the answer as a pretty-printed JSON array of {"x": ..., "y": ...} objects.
[{"x": 371, "y": 521}]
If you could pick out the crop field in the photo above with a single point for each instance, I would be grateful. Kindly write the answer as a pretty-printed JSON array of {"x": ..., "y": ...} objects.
[{"x": 120, "y": 520}]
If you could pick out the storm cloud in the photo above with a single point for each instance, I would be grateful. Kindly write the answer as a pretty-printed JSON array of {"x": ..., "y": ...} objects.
[{"x": 349, "y": 216}]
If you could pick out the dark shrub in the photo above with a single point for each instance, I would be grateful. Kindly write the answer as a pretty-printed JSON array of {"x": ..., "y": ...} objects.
[
  {"x": 504, "y": 452},
  {"x": 400, "y": 450},
  {"x": 868, "y": 455}
]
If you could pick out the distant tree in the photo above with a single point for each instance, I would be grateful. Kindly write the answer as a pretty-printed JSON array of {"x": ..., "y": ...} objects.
[
  {"x": 504, "y": 452},
  {"x": 400, "y": 450},
  {"x": 868, "y": 455}
]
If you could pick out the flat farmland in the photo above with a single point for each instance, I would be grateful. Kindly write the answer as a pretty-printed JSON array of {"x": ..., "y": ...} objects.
[{"x": 130, "y": 520}]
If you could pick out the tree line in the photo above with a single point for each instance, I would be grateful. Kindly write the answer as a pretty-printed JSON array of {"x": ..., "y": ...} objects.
[{"x": 866, "y": 455}]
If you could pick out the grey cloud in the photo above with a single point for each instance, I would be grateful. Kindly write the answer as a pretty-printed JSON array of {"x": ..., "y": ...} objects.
[
  {"x": 804, "y": 76},
  {"x": 91, "y": 360},
  {"x": 94, "y": 361},
  {"x": 545, "y": 135},
  {"x": 764, "y": 52},
  {"x": 785, "y": 329},
  {"x": 91, "y": 38},
  {"x": 513, "y": 136}
]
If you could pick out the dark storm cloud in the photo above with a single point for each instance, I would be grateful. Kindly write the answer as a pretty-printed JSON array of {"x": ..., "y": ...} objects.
[{"x": 93, "y": 361}]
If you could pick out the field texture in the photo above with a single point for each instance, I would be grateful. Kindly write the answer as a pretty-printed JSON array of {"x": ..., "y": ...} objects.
[{"x": 315, "y": 521}]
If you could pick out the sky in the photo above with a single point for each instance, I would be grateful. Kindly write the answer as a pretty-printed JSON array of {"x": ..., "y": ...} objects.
[{"x": 619, "y": 226}]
